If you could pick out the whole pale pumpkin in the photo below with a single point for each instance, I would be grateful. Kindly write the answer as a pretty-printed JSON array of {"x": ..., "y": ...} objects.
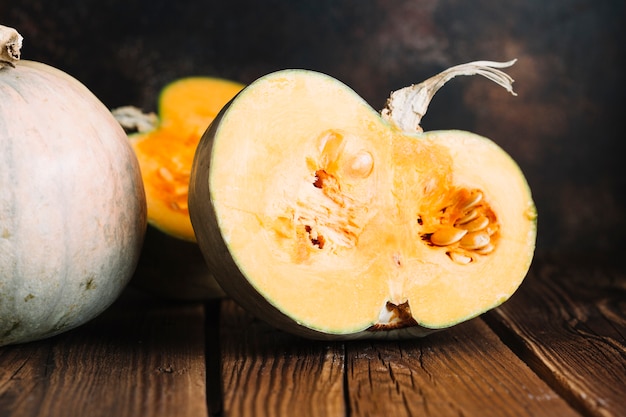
[{"x": 72, "y": 204}]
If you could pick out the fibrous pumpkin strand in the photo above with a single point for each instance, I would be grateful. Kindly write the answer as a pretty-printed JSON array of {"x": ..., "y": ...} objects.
[
  {"x": 406, "y": 107},
  {"x": 324, "y": 216},
  {"x": 10, "y": 46},
  {"x": 133, "y": 119}
]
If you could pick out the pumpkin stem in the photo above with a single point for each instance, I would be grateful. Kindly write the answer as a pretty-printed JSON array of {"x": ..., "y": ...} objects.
[
  {"x": 10, "y": 45},
  {"x": 406, "y": 107}
]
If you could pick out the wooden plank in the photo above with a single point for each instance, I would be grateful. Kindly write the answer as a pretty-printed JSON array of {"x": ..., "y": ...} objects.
[
  {"x": 270, "y": 373},
  {"x": 466, "y": 371},
  {"x": 142, "y": 357},
  {"x": 568, "y": 321},
  {"x": 462, "y": 371}
]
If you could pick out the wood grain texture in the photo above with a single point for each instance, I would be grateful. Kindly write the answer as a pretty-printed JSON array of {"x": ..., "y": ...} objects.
[
  {"x": 555, "y": 349},
  {"x": 465, "y": 370},
  {"x": 140, "y": 358},
  {"x": 270, "y": 373},
  {"x": 568, "y": 321}
]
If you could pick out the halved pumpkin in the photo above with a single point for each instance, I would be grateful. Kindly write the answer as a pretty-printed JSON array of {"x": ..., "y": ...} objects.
[
  {"x": 329, "y": 220},
  {"x": 186, "y": 107},
  {"x": 171, "y": 264}
]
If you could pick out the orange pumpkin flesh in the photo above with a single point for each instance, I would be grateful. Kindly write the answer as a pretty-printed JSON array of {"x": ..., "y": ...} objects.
[
  {"x": 328, "y": 221},
  {"x": 171, "y": 264},
  {"x": 186, "y": 107}
]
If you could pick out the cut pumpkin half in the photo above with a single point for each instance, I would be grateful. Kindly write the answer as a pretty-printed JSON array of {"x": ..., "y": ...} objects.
[
  {"x": 330, "y": 220},
  {"x": 165, "y": 148}
]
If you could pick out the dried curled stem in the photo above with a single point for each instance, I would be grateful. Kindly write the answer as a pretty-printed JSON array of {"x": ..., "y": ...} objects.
[
  {"x": 406, "y": 107},
  {"x": 10, "y": 46}
]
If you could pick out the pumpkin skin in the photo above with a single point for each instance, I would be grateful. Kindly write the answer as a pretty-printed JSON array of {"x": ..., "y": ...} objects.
[
  {"x": 328, "y": 221},
  {"x": 171, "y": 264},
  {"x": 72, "y": 207}
]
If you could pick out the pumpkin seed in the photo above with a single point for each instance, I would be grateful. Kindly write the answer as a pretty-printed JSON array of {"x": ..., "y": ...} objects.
[
  {"x": 485, "y": 250},
  {"x": 459, "y": 258},
  {"x": 181, "y": 190},
  {"x": 447, "y": 235},
  {"x": 479, "y": 223},
  {"x": 361, "y": 165},
  {"x": 332, "y": 144},
  {"x": 469, "y": 235},
  {"x": 469, "y": 216},
  {"x": 475, "y": 240},
  {"x": 491, "y": 229},
  {"x": 166, "y": 174},
  {"x": 474, "y": 199}
]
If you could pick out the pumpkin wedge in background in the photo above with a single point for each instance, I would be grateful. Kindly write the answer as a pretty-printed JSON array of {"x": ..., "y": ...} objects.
[
  {"x": 332, "y": 221},
  {"x": 165, "y": 147},
  {"x": 171, "y": 263}
]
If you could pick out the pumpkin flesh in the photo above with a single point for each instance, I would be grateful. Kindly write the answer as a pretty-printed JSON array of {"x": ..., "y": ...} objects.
[
  {"x": 319, "y": 215},
  {"x": 186, "y": 107},
  {"x": 171, "y": 264}
]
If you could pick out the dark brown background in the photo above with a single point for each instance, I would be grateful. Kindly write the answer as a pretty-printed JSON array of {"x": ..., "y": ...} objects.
[{"x": 563, "y": 128}]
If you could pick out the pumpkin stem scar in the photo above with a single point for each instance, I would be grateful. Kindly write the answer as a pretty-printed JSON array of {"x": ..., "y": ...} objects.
[
  {"x": 406, "y": 107},
  {"x": 10, "y": 46}
]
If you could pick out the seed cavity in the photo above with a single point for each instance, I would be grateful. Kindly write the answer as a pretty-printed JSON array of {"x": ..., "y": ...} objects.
[
  {"x": 328, "y": 216},
  {"x": 465, "y": 226},
  {"x": 175, "y": 187}
]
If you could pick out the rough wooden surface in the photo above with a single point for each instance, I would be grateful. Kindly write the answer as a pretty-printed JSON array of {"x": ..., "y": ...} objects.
[
  {"x": 140, "y": 358},
  {"x": 569, "y": 323},
  {"x": 465, "y": 371},
  {"x": 557, "y": 348},
  {"x": 267, "y": 372}
]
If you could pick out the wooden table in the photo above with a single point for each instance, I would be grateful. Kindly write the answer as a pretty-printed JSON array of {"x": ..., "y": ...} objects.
[{"x": 556, "y": 348}]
